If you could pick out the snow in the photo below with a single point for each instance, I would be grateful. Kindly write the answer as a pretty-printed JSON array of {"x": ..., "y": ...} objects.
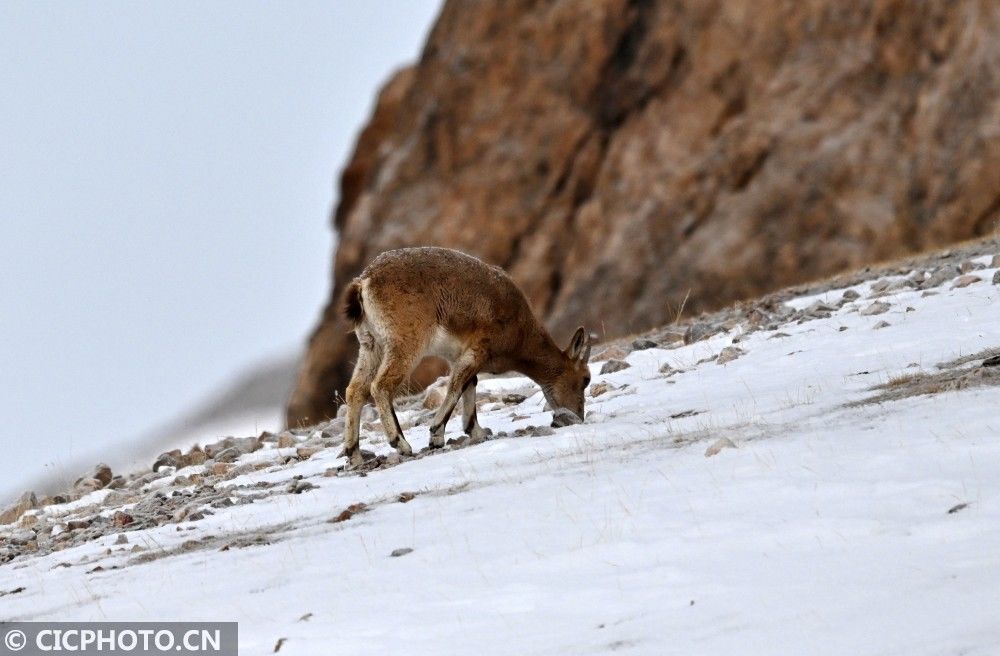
[{"x": 826, "y": 531}]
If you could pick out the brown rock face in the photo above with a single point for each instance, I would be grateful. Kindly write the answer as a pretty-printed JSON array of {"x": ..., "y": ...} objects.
[{"x": 619, "y": 156}]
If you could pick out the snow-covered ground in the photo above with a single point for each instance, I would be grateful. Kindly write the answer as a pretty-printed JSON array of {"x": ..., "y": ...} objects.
[{"x": 825, "y": 531}]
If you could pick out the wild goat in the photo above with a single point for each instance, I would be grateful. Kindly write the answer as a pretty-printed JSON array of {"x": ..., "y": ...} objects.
[{"x": 415, "y": 302}]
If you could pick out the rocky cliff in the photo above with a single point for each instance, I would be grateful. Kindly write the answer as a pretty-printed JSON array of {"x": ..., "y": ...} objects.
[{"x": 620, "y": 156}]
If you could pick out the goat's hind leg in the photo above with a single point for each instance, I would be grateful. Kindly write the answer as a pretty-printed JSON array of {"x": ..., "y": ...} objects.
[
  {"x": 396, "y": 366},
  {"x": 470, "y": 422},
  {"x": 358, "y": 393}
]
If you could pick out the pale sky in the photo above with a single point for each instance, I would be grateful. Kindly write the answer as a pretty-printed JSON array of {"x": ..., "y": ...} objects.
[{"x": 167, "y": 172}]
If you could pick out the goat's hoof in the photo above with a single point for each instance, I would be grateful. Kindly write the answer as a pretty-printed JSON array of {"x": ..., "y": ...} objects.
[
  {"x": 480, "y": 434},
  {"x": 403, "y": 447},
  {"x": 436, "y": 442}
]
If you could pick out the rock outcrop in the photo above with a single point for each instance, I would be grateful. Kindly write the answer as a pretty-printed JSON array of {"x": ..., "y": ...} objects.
[{"x": 622, "y": 158}]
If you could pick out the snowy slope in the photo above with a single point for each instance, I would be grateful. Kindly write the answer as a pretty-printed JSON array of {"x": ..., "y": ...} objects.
[{"x": 825, "y": 531}]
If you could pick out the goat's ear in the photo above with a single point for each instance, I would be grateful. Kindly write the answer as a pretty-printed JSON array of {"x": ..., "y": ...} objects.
[{"x": 579, "y": 346}]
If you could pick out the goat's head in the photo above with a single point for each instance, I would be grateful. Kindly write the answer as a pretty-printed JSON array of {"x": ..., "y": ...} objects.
[{"x": 565, "y": 395}]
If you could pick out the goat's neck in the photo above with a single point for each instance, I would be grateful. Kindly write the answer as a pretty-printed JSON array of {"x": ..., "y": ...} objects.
[{"x": 541, "y": 360}]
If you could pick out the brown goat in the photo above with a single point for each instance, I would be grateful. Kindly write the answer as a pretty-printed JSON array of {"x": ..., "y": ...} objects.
[{"x": 417, "y": 302}]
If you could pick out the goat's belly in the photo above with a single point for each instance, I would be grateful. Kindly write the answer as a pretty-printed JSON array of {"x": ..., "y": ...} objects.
[{"x": 444, "y": 345}]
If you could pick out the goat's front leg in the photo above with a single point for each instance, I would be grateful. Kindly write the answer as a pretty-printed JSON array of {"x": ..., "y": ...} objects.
[
  {"x": 465, "y": 369},
  {"x": 470, "y": 423}
]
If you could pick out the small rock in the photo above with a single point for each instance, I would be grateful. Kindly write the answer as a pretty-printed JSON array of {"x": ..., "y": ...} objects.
[
  {"x": 221, "y": 468},
  {"x": 881, "y": 285},
  {"x": 24, "y": 503},
  {"x": 298, "y": 487},
  {"x": 729, "y": 354},
  {"x": 121, "y": 519},
  {"x": 850, "y": 295},
  {"x": 900, "y": 285},
  {"x": 940, "y": 276},
  {"x": 122, "y": 539},
  {"x": 227, "y": 455},
  {"x": 697, "y": 332},
  {"x": 406, "y": 497},
  {"x": 881, "y": 324},
  {"x": 513, "y": 399},
  {"x": 77, "y": 524},
  {"x": 348, "y": 512},
  {"x": 286, "y": 441},
  {"x": 965, "y": 281},
  {"x": 402, "y": 551},
  {"x": 996, "y": 278},
  {"x": 969, "y": 266},
  {"x": 643, "y": 344},
  {"x": 995, "y": 262},
  {"x": 306, "y": 452},
  {"x": 168, "y": 459},
  {"x": 541, "y": 431},
  {"x": 22, "y": 537},
  {"x": 102, "y": 473},
  {"x": 878, "y": 307},
  {"x": 719, "y": 445},
  {"x": 87, "y": 485},
  {"x": 611, "y": 366},
  {"x": 393, "y": 458},
  {"x": 957, "y": 507},
  {"x": 598, "y": 388},
  {"x": 992, "y": 362},
  {"x": 196, "y": 456}
]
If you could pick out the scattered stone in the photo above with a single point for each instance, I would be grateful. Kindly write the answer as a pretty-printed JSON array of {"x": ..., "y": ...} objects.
[
  {"x": 965, "y": 281},
  {"x": 941, "y": 275},
  {"x": 900, "y": 285},
  {"x": 850, "y": 295},
  {"x": 819, "y": 309},
  {"x": 513, "y": 399},
  {"x": 613, "y": 352},
  {"x": 196, "y": 456},
  {"x": 996, "y": 278},
  {"x": 300, "y": 486},
  {"x": 598, "y": 388},
  {"x": 221, "y": 468},
  {"x": 87, "y": 485},
  {"x": 729, "y": 354},
  {"x": 227, "y": 455},
  {"x": 168, "y": 459},
  {"x": 406, "y": 497},
  {"x": 54, "y": 500},
  {"x": 698, "y": 331},
  {"x": 969, "y": 266},
  {"x": 910, "y": 308},
  {"x": 643, "y": 344},
  {"x": 779, "y": 335},
  {"x": 22, "y": 537},
  {"x": 880, "y": 286},
  {"x": 102, "y": 473},
  {"x": 77, "y": 524},
  {"x": 24, "y": 503},
  {"x": 122, "y": 539},
  {"x": 242, "y": 446},
  {"x": 992, "y": 362},
  {"x": 306, "y": 452},
  {"x": 541, "y": 431},
  {"x": 286, "y": 441},
  {"x": 686, "y": 413},
  {"x": 402, "y": 551},
  {"x": 881, "y": 324},
  {"x": 348, "y": 512},
  {"x": 995, "y": 262},
  {"x": 719, "y": 445},
  {"x": 393, "y": 458},
  {"x": 121, "y": 519},
  {"x": 611, "y": 366},
  {"x": 957, "y": 507},
  {"x": 878, "y": 307}
]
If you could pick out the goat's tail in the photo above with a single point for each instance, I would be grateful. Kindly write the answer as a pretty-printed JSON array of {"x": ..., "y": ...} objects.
[{"x": 353, "y": 309}]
